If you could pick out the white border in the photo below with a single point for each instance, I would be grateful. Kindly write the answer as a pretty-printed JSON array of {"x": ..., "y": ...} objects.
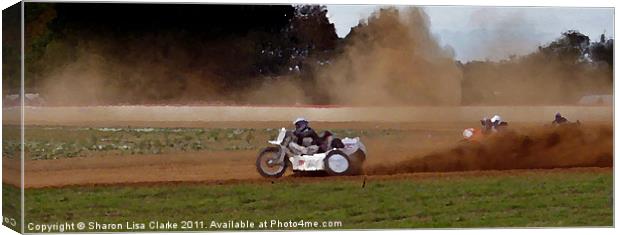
[{"x": 566, "y": 3}]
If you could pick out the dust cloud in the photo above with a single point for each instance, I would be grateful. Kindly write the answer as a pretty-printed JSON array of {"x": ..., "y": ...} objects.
[
  {"x": 389, "y": 59},
  {"x": 104, "y": 72},
  {"x": 278, "y": 91},
  {"x": 392, "y": 59},
  {"x": 562, "y": 147},
  {"x": 530, "y": 80}
]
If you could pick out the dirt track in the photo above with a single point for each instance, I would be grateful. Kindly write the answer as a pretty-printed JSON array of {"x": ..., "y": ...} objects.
[
  {"x": 189, "y": 171},
  {"x": 196, "y": 166},
  {"x": 431, "y": 142},
  {"x": 386, "y": 158}
]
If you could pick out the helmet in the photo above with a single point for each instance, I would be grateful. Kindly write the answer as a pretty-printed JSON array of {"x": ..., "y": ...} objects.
[
  {"x": 468, "y": 133},
  {"x": 496, "y": 118},
  {"x": 299, "y": 119}
]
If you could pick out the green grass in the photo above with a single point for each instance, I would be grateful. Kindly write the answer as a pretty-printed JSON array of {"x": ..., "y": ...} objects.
[
  {"x": 11, "y": 206},
  {"x": 53, "y": 142},
  {"x": 553, "y": 199}
]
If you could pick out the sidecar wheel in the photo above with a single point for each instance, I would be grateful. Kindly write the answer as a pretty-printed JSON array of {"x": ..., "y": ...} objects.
[{"x": 337, "y": 163}]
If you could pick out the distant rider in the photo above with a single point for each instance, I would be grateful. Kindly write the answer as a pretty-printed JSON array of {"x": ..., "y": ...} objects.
[
  {"x": 492, "y": 125},
  {"x": 487, "y": 126},
  {"x": 559, "y": 120},
  {"x": 306, "y": 140},
  {"x": 497, "y": 121}
]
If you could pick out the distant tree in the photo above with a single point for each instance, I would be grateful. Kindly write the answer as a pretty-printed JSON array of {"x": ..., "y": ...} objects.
[
  {"x": 603, "y": 51},
  {"x": 311, "y": 28},
  {"x": 571, "y": 47},
  {"x": 308, "y": 32},
  {"x": 11, "y": 49},
  {"x": 560, "y": 72},
  {"x": 37, "y": 36}
]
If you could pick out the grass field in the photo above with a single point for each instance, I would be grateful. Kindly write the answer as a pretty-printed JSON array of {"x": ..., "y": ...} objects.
[
  {"x": 538, "y": 198},
  {"x": 11, "y": 209}
]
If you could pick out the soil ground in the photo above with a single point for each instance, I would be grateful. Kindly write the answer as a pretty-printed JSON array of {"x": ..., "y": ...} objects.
[
  {"x": 227, "y": 166},
  {"x": 429, "y": 129}
]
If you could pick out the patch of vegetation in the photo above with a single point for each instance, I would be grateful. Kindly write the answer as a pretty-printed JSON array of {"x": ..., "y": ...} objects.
[
  {"x": 52, "y": 142},
  {"x": 11, "y": 207},
  {"x": 547, "y": 199}
]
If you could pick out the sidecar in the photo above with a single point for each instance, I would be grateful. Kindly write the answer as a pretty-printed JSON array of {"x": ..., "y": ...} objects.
[{"x": 344, "y": 157}]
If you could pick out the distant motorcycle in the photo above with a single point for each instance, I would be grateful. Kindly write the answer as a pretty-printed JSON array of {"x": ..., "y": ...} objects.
[{"x": 340, "y": 157}]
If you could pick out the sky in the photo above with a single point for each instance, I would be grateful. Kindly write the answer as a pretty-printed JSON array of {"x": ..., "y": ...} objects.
[{"x": 493, "y": 33}]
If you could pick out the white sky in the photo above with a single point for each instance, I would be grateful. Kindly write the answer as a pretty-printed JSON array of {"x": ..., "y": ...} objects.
[{"x": 493, "y": 32}]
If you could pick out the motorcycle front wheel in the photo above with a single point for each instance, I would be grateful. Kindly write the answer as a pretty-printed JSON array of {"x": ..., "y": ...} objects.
[{"x": 266, "y": 163}]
